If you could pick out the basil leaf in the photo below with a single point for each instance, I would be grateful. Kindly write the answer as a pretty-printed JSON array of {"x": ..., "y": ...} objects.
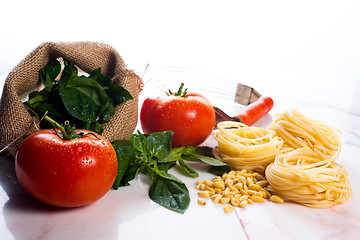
[
  {"x": 209, "y": 160},
  {"x": 158, "y": 144},
  {"x": 45, "y": 101},
  {"x": 103, "y": 80},
  {"x": 125, "y": 153},
  {"x": 187, "y": 169},
  {"x": 169, "y": 192},
  {"x": 48, "y": 74},
  {"x": 219, "y": 170},
  {"x": 70, "y": 71},
  {"x": 107, "y": 111},
  {"x": 85, "y": 99},
  {"x": 204, "y": 151},
  {"x": 139, "y": 142},
  {"x": 188, "y": 150},
  {"x": 79, "y": 105},
  {"x": 166, "y": 166},
  {"x": 190, "y": 158},
  {"x": 131, "y": 171},
  {"x": 118, "y": 94},
  {"x": 82, "y": 100},
  {"x": 174, "y": 155},
  {"x": 89, "y": 87}
]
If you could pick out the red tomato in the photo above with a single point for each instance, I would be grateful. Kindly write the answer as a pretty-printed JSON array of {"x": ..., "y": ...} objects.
[
  {"x": 66, "y": 173},
  {"x": 190, "y": 117}
]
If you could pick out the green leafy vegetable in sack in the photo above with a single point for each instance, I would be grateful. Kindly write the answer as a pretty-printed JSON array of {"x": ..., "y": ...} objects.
[
  {"x": 85, "y": 101},
  {"x": 153, "y": 155}
]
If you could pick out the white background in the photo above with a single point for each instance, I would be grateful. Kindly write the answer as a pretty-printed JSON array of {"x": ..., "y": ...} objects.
[{"x": 245, "y": 41}]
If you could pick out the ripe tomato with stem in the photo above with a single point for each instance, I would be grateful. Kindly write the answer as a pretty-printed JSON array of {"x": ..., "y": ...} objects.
[
  {"x": 65, "y": 167},
  {"x": 189, "y": 115}
]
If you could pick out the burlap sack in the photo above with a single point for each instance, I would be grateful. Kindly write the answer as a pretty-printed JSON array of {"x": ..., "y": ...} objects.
[{"x": 15, "y": 121}]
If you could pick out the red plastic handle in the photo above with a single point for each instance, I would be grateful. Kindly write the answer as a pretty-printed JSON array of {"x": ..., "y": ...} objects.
[{"x": 255, "y": 110}]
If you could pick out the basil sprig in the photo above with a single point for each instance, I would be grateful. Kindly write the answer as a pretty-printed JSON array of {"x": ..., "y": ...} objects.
[
  {"x": 85, "y": 101},
  {"x": 153, "y": 155}
]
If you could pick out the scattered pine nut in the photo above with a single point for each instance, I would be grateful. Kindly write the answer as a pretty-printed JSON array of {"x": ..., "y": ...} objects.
[
  {"x": 228, "y": 208},
  {"x": 201, "y": 202},
  {"x": 276, "y": 199}
]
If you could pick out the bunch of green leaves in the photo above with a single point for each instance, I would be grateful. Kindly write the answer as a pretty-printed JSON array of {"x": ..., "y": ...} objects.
[
  {"x": 85, "y": 101},
  {"x": 153, "y": 156}
]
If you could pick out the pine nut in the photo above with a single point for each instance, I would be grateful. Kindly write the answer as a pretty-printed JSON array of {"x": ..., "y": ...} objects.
[
  {"x": 249, "y": 181},
  {"x": 237, "y": 196},
  {"x": 242, "y": 180},
  {"x": 224, "y": 200},
  {"x": 204, "y": 194},
  {"x": 262, "y": 183},
  {"x": 219, "y": 184},
  {"x": 257, "y": 199},
  {"x": 276, "y": 199},
  {"x": 243, "y": 171},
  {"x": 259, "y": 177},
  {"x": 258, "y": 194},
  {"x": 226, "y": 191},
  {"x": 251, "y": 192},
  {"x": 265, "y": 193},
  {"x": 199, "y": 182},
  {"x": 228, "y": 208},
  {"x": 235, "y": 202},
  {"x": 254, "y": 187},
  {"x": 243, "y": 203},
  {"x": 208, "y": 183},
  {"x": 201, "y": 202},
  {"x": 215, "y": 196},
  {"x": 217, "y": 199},
  {"x": 243, "y": 198},
  {"x": 209, "y": 189},
  {"x": 243, "y": 192},
  {"x": 229, "y": 182}
]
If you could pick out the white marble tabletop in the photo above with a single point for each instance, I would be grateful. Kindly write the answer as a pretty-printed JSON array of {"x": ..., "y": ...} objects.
[{"x": 304, "y": 55}]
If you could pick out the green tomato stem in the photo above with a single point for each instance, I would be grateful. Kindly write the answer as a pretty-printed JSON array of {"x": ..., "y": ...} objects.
[
  {"x": 66, "y": 131},
  {"x": 179, "y": 93}
]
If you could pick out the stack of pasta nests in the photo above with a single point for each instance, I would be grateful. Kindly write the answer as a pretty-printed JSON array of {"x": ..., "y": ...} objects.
[{"x": 297, "y": 154}]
